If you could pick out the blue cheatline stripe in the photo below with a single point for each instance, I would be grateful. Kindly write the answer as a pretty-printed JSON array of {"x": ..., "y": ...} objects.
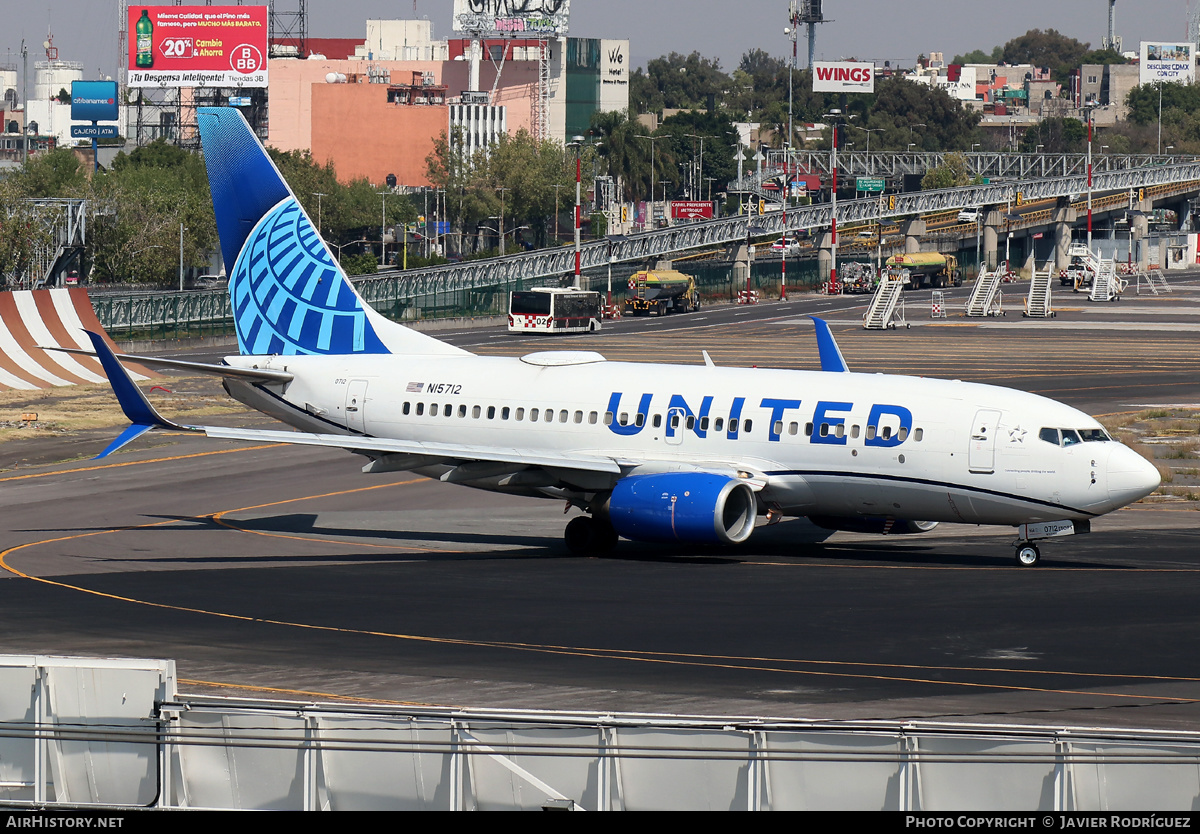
[{"x": 869, "y": 476}]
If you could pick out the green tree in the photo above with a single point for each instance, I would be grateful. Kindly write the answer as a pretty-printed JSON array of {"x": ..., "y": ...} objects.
[
  {"x": 58, "y": 173},
  {"x": 21, "y": 235},
  {"x": 978, "y": 56},
  {"x": 900, "y": 104},
  {"x": 143, "y": 200},
  {"x": 1050, "y": 49},
  {"x": 952, "y": 173},
  {"x": 677, "y": 81},
  {"x": 1056, "y": 135},
  {"x": 626, "y": 151}
]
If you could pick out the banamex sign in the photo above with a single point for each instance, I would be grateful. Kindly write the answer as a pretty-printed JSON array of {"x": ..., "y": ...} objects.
[{"x": 843, "y": 77}]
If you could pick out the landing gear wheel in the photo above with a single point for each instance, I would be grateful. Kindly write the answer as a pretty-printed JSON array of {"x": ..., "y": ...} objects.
[
  {"x": 587, "y": 536},
  {"x": 1028, "y": 555}
]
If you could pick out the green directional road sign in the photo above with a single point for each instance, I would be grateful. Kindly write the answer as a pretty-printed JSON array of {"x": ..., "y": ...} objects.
[{"x": 868, "y": 184}]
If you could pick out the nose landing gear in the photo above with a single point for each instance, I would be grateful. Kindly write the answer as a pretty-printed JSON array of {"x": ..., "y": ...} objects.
[{"x": 1028, "y": 554}]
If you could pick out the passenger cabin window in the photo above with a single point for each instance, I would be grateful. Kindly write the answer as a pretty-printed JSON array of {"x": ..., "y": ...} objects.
[
  {"x": 405, "y": 409},
  {"x": 747, "y": 425},
  {"x": 420, "y": 409}
]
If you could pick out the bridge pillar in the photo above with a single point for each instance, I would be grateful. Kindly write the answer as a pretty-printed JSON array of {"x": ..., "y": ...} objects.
[
  {"x": 913, "y": 229},
  {"x": 1062, "y": 216},
  {"x": 991, "y": 224},
  {"x": 824, "y": 256},
  {"x": 741, "y": 267},
  {"x": 1140, "y": 225},
  {"x": 1030, "y": 253}
]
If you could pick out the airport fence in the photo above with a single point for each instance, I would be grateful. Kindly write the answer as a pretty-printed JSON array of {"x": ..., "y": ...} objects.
[
  {"x": 205, "y": 313},
  {"x": 87, "y": 732}
]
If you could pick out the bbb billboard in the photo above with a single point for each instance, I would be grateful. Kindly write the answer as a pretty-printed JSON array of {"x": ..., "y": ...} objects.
[{"x": 94, "y": 101}]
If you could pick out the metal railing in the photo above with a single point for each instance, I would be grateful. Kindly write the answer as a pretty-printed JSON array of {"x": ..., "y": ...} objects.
[{"x": 135, "y": 742}]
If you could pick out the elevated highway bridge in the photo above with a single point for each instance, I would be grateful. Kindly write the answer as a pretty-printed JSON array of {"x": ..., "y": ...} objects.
[{"x": 1175, "y": 177}]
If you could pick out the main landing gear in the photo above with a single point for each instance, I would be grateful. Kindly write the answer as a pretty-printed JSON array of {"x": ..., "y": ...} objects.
[
  {"x": 1028, "y": 554},
  {"x": 590, "y": 536}
]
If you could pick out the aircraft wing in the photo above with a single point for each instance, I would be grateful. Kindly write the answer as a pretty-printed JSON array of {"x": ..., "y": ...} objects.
[
  {"x": 445, "y": 451},
  {"x": 145, "y": 417}
]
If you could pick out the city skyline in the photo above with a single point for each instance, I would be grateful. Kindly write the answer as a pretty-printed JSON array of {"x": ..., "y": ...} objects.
[{"x": 86, "y": 30}]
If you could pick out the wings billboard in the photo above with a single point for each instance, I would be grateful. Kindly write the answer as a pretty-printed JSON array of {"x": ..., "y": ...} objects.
[{"x": 197, "y": 46}]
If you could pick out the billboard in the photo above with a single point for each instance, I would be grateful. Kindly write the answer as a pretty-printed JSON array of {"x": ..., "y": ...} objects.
[
  {"x": 843, "y": 77},
  {"x": 94, "y": 101},
  {"x": 197, "y": 46},
  {"x": 691, "y": 210},
  {"x": 1167, "y": 62},
  {"x": 536, "y": 17}
]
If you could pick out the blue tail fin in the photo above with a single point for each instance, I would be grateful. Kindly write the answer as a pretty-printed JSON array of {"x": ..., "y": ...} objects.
[{"x": 289, "y": 295}]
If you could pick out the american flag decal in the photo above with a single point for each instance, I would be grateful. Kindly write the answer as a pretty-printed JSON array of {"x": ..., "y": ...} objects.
[{"x": 415, "y": 387}]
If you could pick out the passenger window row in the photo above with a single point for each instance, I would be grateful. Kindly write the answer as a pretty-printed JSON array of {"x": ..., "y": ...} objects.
[
  {"x": 688, "y": 422},
  {"x": 491, "y": 412}
]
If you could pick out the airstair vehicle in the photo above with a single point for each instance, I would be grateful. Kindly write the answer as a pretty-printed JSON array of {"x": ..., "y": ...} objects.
[
  {"x": 986, "y": 298},
  {"x": 1153, "y": 281},
  {"x": 886, "y": 310},
  {"x": 1037, "y": 303},
  {"x": 1107, "y": 285}
]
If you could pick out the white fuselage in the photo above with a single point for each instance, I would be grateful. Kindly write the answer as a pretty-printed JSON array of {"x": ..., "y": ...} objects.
[{"x": 812, "y": 442}]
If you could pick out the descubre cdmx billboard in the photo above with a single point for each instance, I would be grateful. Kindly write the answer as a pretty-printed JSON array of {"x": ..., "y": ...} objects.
[
  {"x": 1167, "y": 62},
  {"x": 197, "y": 46}
]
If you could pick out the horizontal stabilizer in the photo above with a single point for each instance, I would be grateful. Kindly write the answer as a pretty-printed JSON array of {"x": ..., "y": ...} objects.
[{"x": 251, "y": 374}]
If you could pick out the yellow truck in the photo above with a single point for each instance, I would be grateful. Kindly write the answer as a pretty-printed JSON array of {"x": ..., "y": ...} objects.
[
  {"x": 927, "y": 268},
  {"x": 661, "y": 292}
]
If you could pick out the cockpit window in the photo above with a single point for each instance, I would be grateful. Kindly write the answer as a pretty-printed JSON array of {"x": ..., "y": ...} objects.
[{"x": 1069, "y": 437}]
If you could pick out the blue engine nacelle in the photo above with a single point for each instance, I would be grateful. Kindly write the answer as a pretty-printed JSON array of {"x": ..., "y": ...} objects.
[{"x": 700, "y": 507}]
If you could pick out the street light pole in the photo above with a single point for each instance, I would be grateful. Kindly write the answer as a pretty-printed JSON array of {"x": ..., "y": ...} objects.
[
  {"x": 319, "y": 195},
  {"x": 1090, "y": 111},
  {"x": 577, "y": 143},
  {"x": 652, "y": 139},
  {"x": 181, "y": 231},
  {"x": 383, "y": 230}
]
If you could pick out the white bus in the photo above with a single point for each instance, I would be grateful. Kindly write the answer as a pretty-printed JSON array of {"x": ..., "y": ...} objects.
[{"x": 554, "y": 310}]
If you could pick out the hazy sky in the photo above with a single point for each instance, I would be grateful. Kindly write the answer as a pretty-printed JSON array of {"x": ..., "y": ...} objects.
[{"x": 86, "y": 30}]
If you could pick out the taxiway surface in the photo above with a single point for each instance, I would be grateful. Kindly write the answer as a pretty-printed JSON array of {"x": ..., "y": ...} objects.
[{"x": 285, "y": 571}]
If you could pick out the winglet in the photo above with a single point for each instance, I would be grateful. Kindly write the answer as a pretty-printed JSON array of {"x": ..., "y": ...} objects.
[
  {"x": 133, "y": 402},
  {"x": 831, "y": 355}
]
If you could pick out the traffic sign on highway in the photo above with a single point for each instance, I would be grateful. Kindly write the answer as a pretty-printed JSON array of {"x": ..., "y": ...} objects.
[{"x": 868, "y": 184}]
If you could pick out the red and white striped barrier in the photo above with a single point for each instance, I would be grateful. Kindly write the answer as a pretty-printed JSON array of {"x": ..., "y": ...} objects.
[
  {"x": 747, "y": 297},
  {"x": 30, "y": 319},
  {"x": 612, "y": 311}
]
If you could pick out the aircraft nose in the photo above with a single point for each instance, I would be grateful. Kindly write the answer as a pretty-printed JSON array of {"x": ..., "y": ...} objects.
[{"x": 1130, "y": 476}]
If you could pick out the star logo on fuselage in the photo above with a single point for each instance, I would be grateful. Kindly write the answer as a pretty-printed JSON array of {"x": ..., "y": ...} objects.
[{"x": 1016, "y": 435}]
